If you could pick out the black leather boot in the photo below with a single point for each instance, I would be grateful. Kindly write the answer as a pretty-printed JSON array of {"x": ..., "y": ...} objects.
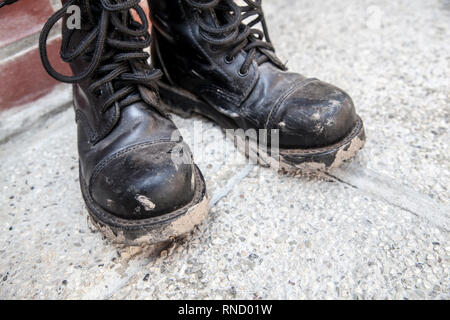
[
  {"x": 137, "y": 177},
  {"x": 217, "y": 64}
]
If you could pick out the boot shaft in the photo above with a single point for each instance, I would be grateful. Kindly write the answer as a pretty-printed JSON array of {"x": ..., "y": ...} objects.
[
  {"x": 192, "y": 43},
  {"x": 105, "y": 53},
  {"x": 211, "y": 47}
]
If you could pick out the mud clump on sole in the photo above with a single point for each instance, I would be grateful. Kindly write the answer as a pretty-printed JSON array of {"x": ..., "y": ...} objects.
[
  {"x": 159, "y": 236},
  {"x": 305, "y": 162},
  {"x": 348, "y": 153}
]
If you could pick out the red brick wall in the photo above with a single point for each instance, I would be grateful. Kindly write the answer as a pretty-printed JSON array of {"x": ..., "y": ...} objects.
[{"x": 22, "y": 77}]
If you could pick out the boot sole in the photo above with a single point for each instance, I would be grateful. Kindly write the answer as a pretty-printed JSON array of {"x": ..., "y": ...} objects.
[
  {"x": 291, "y": 161},
  {"x": 152, "y": 230}
]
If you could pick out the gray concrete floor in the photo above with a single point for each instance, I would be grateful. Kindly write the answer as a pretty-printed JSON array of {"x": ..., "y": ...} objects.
[{"x": 377, "y": 228}]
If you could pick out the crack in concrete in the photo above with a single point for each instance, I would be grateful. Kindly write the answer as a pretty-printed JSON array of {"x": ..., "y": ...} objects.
[
  {"x": 383, "y": 187},
  {"x": 235, "y": 180}
]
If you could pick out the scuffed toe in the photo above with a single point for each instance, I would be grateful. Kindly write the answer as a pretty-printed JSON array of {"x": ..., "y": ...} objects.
[
  {"x": 145, "y": 182},
  {"x": 315, "y": 115}
]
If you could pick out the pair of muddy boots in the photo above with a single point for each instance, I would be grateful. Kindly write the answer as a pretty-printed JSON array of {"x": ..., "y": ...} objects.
[{"x": 138, "y": 178}]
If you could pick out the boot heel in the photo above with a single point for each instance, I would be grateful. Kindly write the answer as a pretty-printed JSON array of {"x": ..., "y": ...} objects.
[{"x": 178, "y": 101}]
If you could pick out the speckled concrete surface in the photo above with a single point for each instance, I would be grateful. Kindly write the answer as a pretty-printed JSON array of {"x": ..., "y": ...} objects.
[{"x": 377, "y": 228}]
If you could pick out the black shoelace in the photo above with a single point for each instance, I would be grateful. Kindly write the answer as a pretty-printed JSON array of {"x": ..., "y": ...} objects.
[
  {"x": 232, "y": 32},
  {"x": 7, "y": 2},
  {"x": 112, "y": 48}
]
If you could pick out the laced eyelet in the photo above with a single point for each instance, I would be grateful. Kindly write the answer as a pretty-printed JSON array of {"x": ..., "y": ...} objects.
[
  {"x": 243, "y": 74},
  {"x": 228, "y": 60}
]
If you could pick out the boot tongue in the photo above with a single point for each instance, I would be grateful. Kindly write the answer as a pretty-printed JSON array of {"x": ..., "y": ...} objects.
[
  {"x": 148, "y": 95},
  {"x": 217, "y": 18}
]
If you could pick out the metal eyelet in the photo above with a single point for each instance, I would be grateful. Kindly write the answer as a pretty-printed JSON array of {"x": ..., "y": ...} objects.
[
  {"x": 242, "y": 74},
  {"x": 228, "y": 60}
]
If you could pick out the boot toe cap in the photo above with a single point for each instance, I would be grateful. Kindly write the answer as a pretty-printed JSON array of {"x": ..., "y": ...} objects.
[
  {"x": 145, "y": 182},
  {"x": 315, "y": 115}
]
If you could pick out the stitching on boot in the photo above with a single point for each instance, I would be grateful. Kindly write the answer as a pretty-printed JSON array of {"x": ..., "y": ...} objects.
[{"x": 297, "y": 85}]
